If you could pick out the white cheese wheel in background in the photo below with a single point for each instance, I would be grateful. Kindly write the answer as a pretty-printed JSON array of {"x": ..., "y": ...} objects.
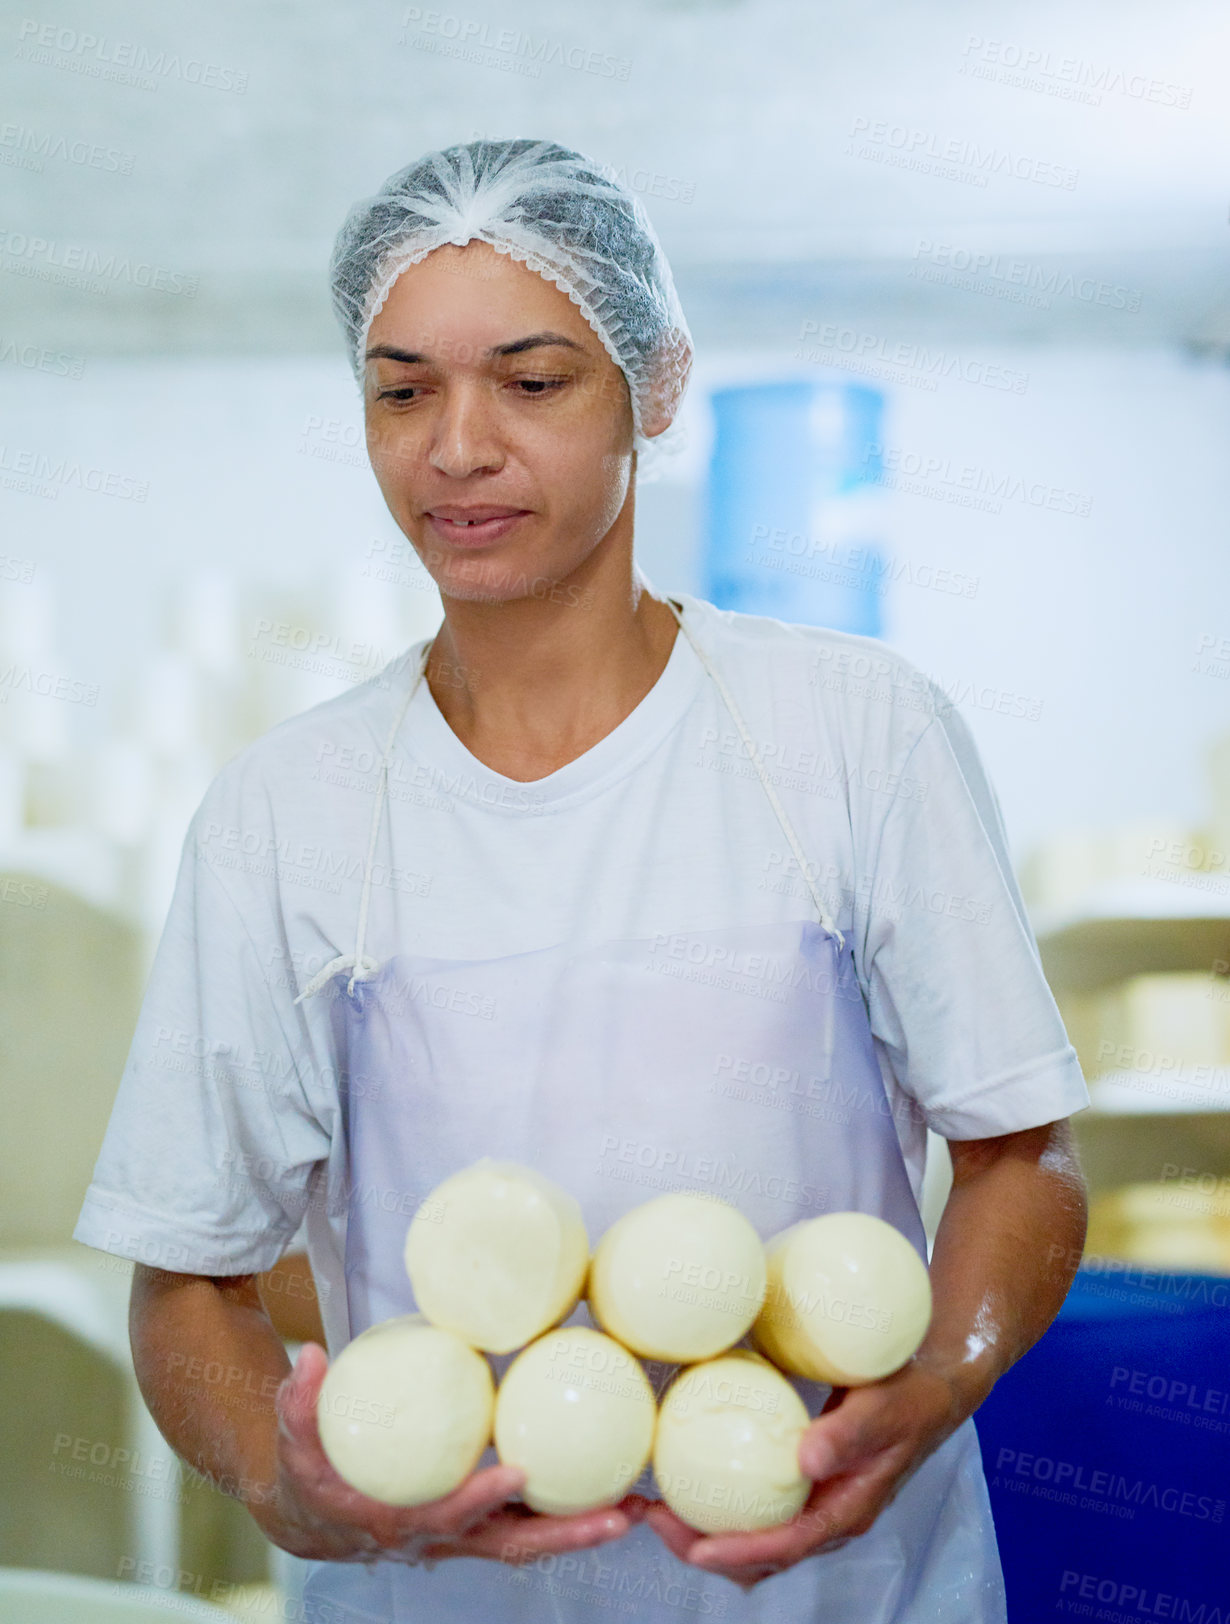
[
  {"x": 849, "y": 1299},
  {"x": 576, "y": 1412},
  {"x": 496, "y": 1254},
  {"x": 725, "y": 1454},
  {"x": 405, "y": 1411},
  {"x": 679, "y": 1278}
]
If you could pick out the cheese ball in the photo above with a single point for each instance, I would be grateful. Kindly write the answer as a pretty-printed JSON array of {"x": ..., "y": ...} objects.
[
  {"x": 848, "y": 1302},
  {"x": 576, "y": 1412},
  {"x": 680, "y": 1278},
  {"x": 496, "y": 1254},
  {"x": 725, "y": 1454},
  {"x": 405, "y": 1411}
]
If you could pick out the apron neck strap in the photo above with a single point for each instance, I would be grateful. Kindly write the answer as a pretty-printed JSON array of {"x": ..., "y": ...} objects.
[
  {"x": 382, "y": 790},
  {"x": 826, "y": 919},
  {"x": 362, "y": 966}
]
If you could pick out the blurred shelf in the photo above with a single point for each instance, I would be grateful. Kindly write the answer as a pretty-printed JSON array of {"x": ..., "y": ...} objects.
[
  {"x": 1161, "y": 1093},
  {"x": 1134, "y": 927},
  {"x": 79, "y": 860},
  {"x": 1129, "y": 1147}
]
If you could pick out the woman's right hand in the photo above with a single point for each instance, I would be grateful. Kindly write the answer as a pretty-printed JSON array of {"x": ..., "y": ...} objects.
[{"x": 312, "y": 1512}]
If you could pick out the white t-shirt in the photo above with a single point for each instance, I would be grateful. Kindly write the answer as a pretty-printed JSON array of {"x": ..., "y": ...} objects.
[{"x": 226, "y": 1131}]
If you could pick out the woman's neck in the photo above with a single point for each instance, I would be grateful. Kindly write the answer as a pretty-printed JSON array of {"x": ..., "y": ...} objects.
[{"x": 530, "y": 685}]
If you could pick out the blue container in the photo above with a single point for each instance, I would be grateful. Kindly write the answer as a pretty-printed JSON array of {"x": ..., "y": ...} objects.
[
  {"x": 1107, "y": 1454},
  {"x": 792, "y": 524}
]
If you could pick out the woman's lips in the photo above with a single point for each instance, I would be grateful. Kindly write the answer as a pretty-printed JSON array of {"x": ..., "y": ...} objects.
[{"x": 474, "y": 535}]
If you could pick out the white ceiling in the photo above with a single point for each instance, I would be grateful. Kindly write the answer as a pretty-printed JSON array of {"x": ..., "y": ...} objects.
[{"x": 766, "y": 110}]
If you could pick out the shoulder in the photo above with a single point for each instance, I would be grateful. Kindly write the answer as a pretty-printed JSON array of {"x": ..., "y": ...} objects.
[
  {"x": 302, "y": 763},
  {"x": 863, "y": 694}
]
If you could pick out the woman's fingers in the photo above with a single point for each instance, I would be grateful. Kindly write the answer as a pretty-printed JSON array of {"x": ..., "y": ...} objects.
[
  {"x": 747, "y": 1558},
  {"x": 770, "y": 1548},
  {"x": 507, "y": 1536},
  {"x": 852, "y": 1434},
  {"x": 296, "y": 1397},
  {"x": 467, "y": 1505},
  {"x": 634, "y": 1506}
]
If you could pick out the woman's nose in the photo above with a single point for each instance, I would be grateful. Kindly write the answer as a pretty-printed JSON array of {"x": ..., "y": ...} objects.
[{"x": 464, "y": 440}]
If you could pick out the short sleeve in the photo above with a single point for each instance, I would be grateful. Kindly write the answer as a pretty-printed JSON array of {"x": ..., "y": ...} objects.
[
  {"x": 955, "y": 987},
  {"x": 210, "y": 1152}
]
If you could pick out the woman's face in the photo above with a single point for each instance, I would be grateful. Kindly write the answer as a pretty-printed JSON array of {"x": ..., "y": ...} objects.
[{"x": 487, "y": 390}]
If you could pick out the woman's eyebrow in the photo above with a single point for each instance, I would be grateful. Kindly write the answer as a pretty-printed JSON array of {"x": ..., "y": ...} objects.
[{"x": 389, "y": 352}]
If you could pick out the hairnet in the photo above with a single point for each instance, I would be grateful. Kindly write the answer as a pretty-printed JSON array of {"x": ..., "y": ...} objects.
[{"x": 559, "y": 214}]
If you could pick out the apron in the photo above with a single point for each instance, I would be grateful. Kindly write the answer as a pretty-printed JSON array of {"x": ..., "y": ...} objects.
[{"x": 736, "y": 1062}]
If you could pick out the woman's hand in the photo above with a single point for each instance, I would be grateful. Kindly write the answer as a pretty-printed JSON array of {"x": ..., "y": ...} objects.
[
  {"x": 1006, "y": 1249},
  {"x": 860, "y": 1451},
  {"x": 312, "y": 1512}
]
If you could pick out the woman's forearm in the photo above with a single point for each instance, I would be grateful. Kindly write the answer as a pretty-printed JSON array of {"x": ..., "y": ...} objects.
[
  {"x": 209, "y": 1364},
  {"x": 1017, "y": 1204}
]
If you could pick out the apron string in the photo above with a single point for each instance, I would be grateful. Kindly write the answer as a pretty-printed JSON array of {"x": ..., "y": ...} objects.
[
  {"x": 826, "y": 919},
  {"x": 362, "y": 965}
]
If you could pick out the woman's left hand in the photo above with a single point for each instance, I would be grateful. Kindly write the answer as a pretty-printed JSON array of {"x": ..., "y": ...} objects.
[{"x": 860, "y": 1451}]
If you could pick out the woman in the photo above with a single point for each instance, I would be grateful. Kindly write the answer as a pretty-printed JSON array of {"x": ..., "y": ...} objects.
[{"x": 567, "y": 932}]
